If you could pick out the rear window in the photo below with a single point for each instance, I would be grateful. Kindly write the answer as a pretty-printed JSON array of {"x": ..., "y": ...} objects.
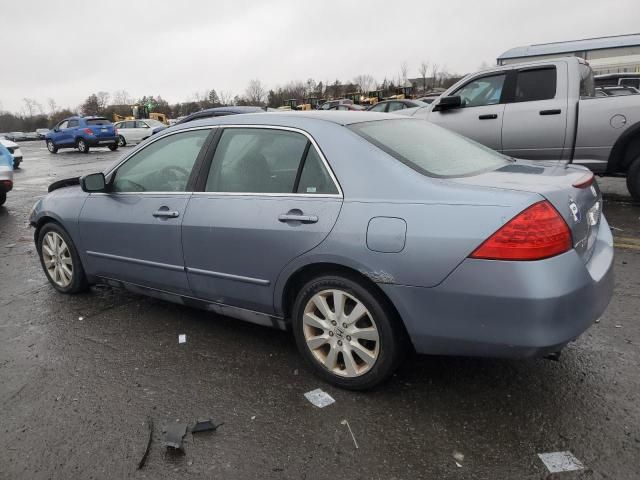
[
  {"x": 98, "y": 121},
  {"x": 429, "y": 149}
]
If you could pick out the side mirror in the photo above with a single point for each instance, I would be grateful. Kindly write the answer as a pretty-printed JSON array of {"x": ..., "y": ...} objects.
[
  {"x": 56, "y": 129},
  {"x": 94, "y": 182},
  {"x": 448, "y": 103}
]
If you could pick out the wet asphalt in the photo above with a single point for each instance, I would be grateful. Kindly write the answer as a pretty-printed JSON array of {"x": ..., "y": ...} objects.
[{"x": 82, "y": 376}]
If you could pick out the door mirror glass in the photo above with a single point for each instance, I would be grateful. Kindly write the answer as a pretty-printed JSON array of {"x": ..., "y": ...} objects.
[
  {"x": 93, "y": 182},
  {"x": 447, "y": 103}
]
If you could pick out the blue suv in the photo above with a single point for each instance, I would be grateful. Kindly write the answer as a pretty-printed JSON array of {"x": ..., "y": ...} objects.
[{"x": 82, "y": 133}]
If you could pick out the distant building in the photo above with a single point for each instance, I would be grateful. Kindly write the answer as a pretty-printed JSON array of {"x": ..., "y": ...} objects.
[{"x": 618, "y": 54}]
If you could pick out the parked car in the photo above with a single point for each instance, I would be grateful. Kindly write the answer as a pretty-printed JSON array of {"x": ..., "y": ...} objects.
[
  {"x": 348, "y": 107},
  {"x": 428, "y": 99},
  {"x": 395, "y": 105},
  {"x": 16, "y": 136},
  {"x": 14, "y": 150},
  {"x": 135, "y": 131},
  {"x": 546, "y": 110},
  {"x": 332, "y": 103},
  {"x": 219, "y": 112},
  {"x": 616, "y": 91},
  {"x": 6, "y": 173},
  {"x": 612, "y": 79},
  {"x": 289, "y": 220},
  {"x": 42, "y": 132},
  {"x": 82, "y": 133}
]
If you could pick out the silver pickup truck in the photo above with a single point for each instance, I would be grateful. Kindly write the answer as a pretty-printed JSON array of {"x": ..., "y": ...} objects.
[{"x": 545, "y": 110}]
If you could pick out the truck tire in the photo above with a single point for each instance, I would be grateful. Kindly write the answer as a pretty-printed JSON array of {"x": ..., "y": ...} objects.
[{"x": 633, "y": 179}]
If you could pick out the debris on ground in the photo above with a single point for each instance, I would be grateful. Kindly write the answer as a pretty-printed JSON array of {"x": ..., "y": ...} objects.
[
  {"x": 205, "y": 425},
  {"x": 182, "y": 338},
  {"x": 346, "y": 422},
  {"x": 174, "y": 434},
  {"x": 458, "y": 456},
  {"x": 319, "y": 398},
  {"x": 560, "y": 462},
  {"x": 253, "y": 417},
  {"x": 80, "y": 318},
  {"x": 146, "y": 450},
  {"x": 618, "y": 326}
]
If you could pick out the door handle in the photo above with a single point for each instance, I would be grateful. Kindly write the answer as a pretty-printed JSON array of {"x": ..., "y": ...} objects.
[
  {"x": 488, "y": 116},
  {"x": 166, "y": 214},
  {"x": 555, "y": 111},
  {"x": 298, "y": 218}
]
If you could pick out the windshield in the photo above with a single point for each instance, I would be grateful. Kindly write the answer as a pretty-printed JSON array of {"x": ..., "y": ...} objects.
[{"x": 429, "y": 149}]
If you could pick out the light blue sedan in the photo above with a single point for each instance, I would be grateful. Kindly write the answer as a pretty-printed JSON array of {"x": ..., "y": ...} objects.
[{"x": 365, "y": 234}]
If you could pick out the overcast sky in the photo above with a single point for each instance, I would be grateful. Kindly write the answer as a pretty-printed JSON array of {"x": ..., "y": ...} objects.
[{"x": 175, "y": 48}]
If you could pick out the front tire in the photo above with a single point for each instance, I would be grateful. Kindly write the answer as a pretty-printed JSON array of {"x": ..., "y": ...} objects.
[
  {"x": 121, "y": 141},
  {"x": 82, "y": 145},
  {"x": 347, "y": 336},
  {"x": 60, "y": 260},
  {"x": 52, "y": 146},
  {"x": 113, "y": 147},
  {"x": 3, "y": 198},
  {"x": 633, "y": 179}
]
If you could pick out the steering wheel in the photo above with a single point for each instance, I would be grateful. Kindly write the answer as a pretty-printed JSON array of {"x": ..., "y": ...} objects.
[{"x": 173, "y": 173}]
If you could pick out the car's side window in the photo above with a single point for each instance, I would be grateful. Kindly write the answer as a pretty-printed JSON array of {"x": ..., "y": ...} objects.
[
  {"x": 141, "y": 125},
  {"x": 535, "y": 84},
  {"x": 63, "y": 125},
  {"x": 73, "y": 123},
  {"x": 482, "y": 91},
  {"x": 380, "y": 107},
  {"x": 256, "y": 160},
  {"x": 395, "y": 106},
  {"x": 163, "y": 166},
  {"x": 128, "y": 124},
  {"x": 314, "y": 177}
]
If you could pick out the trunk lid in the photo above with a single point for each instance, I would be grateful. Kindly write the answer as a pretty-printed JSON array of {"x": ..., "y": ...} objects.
[{"x": 580, "y": 207}]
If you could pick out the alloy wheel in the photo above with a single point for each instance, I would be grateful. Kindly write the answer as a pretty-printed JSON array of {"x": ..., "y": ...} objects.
[
  {"x": 341, "y": 333},
  {"x": 57, "y": 259},
  {"x": 50, "y": 146}
]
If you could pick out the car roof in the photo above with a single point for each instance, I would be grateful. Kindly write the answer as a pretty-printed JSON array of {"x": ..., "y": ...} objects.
[
  {"x": 210, "y": 112},
  {"x": 287, "y": 118}
]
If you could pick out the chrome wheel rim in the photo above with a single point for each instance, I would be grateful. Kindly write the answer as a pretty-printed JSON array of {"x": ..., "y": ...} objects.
[
  {"x": 341, "y": 333},
  {"x": 81, "y": 145},
  {"x": 57, "y": 259},
  {"x": 50, "y": 145},
  {"x": 121, "y": 141}
]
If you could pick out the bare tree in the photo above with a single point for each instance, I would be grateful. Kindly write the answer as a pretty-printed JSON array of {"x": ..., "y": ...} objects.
[
  {"x": 424, "y": 68},
  {"x": 434, "y": 74},
  {"x": 364, "y": 82},
  {"x": 53, "y": 106},
  {"x": 226, "y": 98},
  {"x": 122, "y": 97},
  {"x": 30, "y": 106},
  {"x": 255, "y": 93},
  {"x": 404, "y": 68},
  {"x": 103, "y": 100}
]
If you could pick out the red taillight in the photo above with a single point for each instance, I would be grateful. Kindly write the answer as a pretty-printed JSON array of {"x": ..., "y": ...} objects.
[
  {"x": 584, "y": 181},
  {"x": 535, "y": 233},
  {"x": 88, "y": 131},
  {"x": 8, "y": 184}
]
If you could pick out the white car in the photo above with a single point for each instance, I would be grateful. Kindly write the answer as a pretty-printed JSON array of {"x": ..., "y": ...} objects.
[
  {"x": 134, "y": 131},
  {"x": 14, "y": 148}
]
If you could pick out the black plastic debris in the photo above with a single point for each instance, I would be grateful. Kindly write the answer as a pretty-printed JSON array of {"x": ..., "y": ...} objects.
[
  {"x": 146, "y": 451},
  {"x": 174, "y": 435},
  {"x": 204, "y": 425}
]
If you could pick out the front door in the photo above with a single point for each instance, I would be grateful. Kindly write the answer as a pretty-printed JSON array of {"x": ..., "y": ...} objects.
[
  {"x": 480, "y": 116},
  {"x": 62, "y": 136},
  {"x": 132, "y": 233},
  {"x": 535, "y": 118},
  {"x": 269, "y": 197}
]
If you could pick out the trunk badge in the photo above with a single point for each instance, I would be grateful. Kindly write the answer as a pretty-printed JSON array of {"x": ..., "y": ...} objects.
[{"x": 575, "y": 211}]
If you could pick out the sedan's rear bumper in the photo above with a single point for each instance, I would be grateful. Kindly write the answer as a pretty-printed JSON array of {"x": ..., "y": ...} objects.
[{"x": 509, "y": 309}]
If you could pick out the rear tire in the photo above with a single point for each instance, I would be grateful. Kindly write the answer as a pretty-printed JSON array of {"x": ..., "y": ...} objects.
[
  {"x": 60, "y": 260},
  {"x": 633, "y": 179},
  {"x": 356, "y": 351},
  {"x": 3, "y": 198},
  {"x": 121, "y": 141},
  {"x": 113, "y": 147},
  {"x": 52, "y": 146},
  {"x": 16, "y": 163},
  {"x": 82, "y": 145}
]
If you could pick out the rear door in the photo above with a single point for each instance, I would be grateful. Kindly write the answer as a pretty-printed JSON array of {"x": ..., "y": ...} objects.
[
  {"x": 268, "y": 197},
  {"x": 133, "y": 232},
  {"x": 481, "y": 115},
  {"x": 142, "y": 130},
  {"x": 535, "y": 116}
]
